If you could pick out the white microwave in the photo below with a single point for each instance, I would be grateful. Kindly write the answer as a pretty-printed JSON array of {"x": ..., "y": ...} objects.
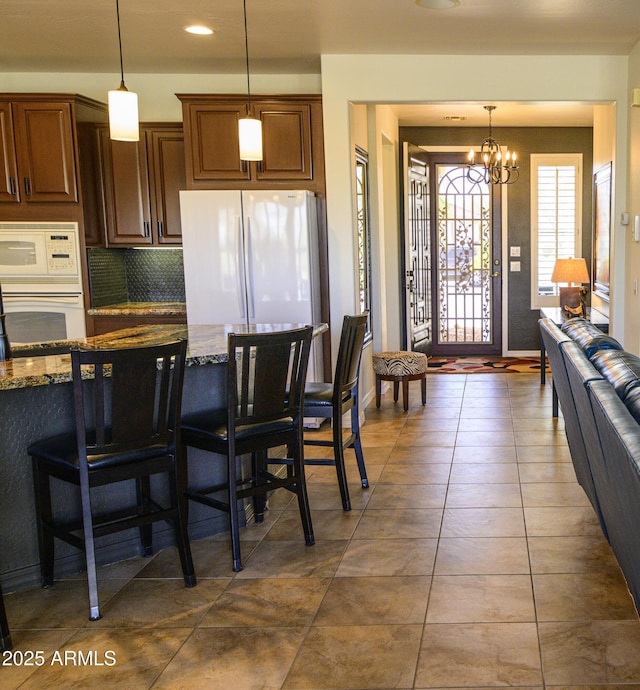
[{"x": 39, "y": 253}]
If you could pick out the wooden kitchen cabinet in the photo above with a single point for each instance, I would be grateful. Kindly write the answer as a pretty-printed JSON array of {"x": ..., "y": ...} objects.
[
  {"x": 141, "y": 184},
  {"x": 38, "y": 152},
  {"x": 9, "y": 178},
  {"x": 293, "y": 154},
  {"x": 167, "y": 176}
]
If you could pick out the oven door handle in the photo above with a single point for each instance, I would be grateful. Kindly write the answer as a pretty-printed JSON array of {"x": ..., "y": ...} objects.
[{"x": 47, "y": 299}]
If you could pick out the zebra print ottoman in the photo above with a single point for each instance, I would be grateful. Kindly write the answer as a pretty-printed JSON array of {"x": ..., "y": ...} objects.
[{"x": 400, "y": 367}]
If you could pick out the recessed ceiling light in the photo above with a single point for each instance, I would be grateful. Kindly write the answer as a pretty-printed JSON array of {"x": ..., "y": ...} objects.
[
  {"x": 199, "y": 30},
  {"x": 438, "y": 4}
]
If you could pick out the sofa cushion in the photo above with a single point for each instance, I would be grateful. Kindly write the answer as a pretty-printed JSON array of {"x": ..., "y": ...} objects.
[
  {"x": 621, "y": 369},
  {"x": 632, "y": 401},
  {"x": 589, "y": 337},
  {"x": 578, "y": 324}
]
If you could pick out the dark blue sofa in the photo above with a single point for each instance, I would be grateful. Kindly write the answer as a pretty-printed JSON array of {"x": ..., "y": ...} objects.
[{"x": 598, "y": 386}]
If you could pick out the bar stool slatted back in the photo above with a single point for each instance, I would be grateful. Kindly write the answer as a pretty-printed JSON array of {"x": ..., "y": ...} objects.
[
  {"x": 5, "y": 635},
  {"x": 127, "y": 406},
  {"x": 332, "y": 401},
  {"x": 265, "y": 385}
]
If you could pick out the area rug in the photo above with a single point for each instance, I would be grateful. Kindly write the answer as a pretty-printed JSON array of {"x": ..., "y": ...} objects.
[{"x": 483, "y": 365}]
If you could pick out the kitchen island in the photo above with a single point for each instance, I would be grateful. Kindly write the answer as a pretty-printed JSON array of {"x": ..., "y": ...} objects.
[{"x": 36, "y": 401}]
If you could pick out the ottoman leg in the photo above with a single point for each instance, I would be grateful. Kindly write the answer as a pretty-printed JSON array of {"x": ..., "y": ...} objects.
[
  {"x": 378, "y": 390},
  {"x": 423, "y": 386},
  {"x": 396, "y": 386},
  {"x": 405, "y": 394}
]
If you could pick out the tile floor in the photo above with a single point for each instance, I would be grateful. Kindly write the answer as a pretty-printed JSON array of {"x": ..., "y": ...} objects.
[{"x": 473, "y": 561}]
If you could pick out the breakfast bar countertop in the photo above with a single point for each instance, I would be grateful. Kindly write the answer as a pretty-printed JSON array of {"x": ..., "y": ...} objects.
[
  {"x": 140, "y": 309},
  {"x": 206, "y": 344}
]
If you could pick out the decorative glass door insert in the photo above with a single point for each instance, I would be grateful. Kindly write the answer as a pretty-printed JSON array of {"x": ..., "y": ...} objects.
[{"x": 464, "y": 255}]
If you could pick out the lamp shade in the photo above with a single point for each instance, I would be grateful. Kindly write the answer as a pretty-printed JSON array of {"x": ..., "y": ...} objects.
[
  {"x": 570, "y": 271},
  {"x": 250, "y": 136},
  {"x": 123, "y": 115}
]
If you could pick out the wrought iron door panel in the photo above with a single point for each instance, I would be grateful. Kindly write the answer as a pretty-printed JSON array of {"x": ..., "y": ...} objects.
[
  {"x": 464, "y": 255},
  {"x": 418, "y": 257}
]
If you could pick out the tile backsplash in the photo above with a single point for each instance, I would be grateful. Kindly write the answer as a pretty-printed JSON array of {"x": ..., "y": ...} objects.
[{"x": 135, "y": 275}]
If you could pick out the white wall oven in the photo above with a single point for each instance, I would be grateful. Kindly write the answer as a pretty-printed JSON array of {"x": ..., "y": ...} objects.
[{"x": 41, "y": 281}]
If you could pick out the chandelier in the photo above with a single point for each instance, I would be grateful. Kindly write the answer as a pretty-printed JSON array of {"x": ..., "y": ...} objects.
[{"x": 492, "y": 169}]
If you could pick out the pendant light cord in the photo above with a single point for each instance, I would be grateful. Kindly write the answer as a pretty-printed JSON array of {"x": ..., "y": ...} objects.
[
  {"x": 122, "y": 86},
  {"x": 246, "y": 52}
]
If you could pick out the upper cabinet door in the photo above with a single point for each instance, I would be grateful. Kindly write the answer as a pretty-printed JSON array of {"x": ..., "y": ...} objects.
[
  {"x": 211, "y": 138},
  {"x": 286, "y": 142},
  {"x": 126, "y": 191},
  {"x": 9, "y": 189},
  {"x": 165, "y": 155},
  {"x": 45, "y": 151}
]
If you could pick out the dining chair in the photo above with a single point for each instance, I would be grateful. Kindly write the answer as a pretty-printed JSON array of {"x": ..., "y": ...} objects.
[
  {"x": 5, "y": 634},
  {"x": 265, "y": 384},
  {"x": 127, "y": 408},
  {"x": 333, "y": 400}
]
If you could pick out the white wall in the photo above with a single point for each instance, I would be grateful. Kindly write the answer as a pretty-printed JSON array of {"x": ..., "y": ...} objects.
[
  {"x": 387, "y": 268},
  {"x": 604, "y": 151},
  {"x": 432, "y": 78},
  {"x": 156, "y": 92},
  {"x": 632, "y": 248}
]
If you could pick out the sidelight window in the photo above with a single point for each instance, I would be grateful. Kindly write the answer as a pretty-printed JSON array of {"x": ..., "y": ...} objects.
[{"x": 556, "y": 219}]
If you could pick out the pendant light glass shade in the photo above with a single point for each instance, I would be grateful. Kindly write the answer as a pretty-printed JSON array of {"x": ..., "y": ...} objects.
[
  {"x": 123, "y": 104},
  {"x": 250, "y": 136},
  {"x": 123, "y": 115}
]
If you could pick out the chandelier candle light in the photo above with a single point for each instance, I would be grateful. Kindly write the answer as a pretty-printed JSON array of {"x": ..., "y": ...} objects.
[
  {"x": 123, "y": 104},
  {"x": 249, "y": 127},
  {"x": 496, "y": 171}
]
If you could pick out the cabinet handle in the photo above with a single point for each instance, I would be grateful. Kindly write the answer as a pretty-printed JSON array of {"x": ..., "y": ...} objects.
[
  {"x": 27, "y": 186},
  {"x": 12, "y": 186},
  {"x": 160, "y": 229},
  {"x": 147, "y": 228},
  {"x": 243, "y": 165},
  {"x": 259, "y": 166}
]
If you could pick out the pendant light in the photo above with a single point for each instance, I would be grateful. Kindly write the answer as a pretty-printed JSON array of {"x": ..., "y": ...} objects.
[
  {"x": 123, "y": 104},
  {"x": 249, "y": 127},
  {"x": 496, "y": 170}
]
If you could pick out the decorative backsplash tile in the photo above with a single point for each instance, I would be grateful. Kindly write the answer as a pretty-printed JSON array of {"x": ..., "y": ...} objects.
[
  {"x": 135, "y": 275},
  {"x": 107, "y": 276}
]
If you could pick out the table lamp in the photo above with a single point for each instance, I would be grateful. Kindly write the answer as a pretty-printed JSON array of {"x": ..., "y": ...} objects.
[{"x": 572, "y": 298}]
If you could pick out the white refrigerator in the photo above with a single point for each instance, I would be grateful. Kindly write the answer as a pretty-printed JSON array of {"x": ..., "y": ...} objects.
[{"x": 252, "y": 257}]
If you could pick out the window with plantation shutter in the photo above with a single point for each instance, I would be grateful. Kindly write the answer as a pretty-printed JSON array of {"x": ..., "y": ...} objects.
[{"x": 556, "y": 219}]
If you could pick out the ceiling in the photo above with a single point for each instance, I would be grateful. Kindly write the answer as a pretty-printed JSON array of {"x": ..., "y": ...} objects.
[{"x": 288, "y": 37}]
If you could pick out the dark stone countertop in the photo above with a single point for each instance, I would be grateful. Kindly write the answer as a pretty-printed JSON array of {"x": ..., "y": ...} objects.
[
  {"x": 140, "y": 309},
  {"x": 35, "y": 366}
]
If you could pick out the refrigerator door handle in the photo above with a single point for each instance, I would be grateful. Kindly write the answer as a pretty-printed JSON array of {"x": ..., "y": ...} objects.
[
  {"x": 250, "y": 282},
  {"x": 240, "y": 272}
]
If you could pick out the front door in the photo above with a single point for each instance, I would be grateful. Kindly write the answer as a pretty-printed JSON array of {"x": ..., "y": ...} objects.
[
  {"x": 466, "y": 260},
  {"x": 417, "y": 250}
]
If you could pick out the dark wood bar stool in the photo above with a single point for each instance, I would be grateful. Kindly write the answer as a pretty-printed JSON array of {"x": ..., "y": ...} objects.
[
  {"x": 127, "y": 405},
  {"x": 265, "y": 383},
  {"x": 5, "y": 635},
  {"x": 333, "y": 400}
]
